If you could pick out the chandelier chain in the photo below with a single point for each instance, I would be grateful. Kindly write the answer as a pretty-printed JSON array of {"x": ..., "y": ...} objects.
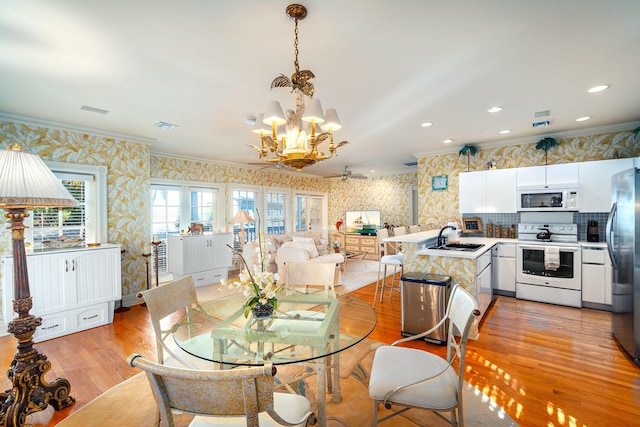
[{"x": 295, "y": 47}]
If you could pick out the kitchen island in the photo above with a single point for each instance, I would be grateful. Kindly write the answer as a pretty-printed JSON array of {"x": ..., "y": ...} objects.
[{"x": 471, "y": 270}]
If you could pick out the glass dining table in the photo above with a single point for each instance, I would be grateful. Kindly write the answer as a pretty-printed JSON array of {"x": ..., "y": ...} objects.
[{"x": 304, "y": 329}]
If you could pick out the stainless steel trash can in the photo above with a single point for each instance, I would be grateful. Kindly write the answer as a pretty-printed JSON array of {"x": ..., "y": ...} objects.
[{"x": 424, "y": 302}]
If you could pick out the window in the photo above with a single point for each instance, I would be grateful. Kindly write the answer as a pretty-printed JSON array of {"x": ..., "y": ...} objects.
[
  {"x": 276, "y": 213},
  {"x": 87, "y": 221},
  {"x": 245, "y": 200}
]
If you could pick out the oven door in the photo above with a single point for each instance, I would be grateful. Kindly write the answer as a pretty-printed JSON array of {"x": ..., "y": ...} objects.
[{"x": 530, "y": 266}]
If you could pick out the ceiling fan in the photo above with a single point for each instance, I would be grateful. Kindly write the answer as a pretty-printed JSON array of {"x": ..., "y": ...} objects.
[{"x": 346, "y": 174}]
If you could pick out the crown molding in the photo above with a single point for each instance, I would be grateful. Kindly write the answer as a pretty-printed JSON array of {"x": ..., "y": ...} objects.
[
  {"x": 66, "y": 127},
  {"x": 535, "y": 138}
]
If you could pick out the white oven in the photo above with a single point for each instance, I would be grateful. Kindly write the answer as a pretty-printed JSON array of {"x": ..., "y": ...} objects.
[{"x": 549, "y": 264}]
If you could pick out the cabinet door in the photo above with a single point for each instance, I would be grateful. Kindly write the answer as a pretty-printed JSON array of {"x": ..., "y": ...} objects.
[
  {"x": 483, "y": 290},
  {"x": 472, "y": 192},
  {"x": 595, "y": 183},
  {"x": 533, "y": 175},
  {"x": 593, "y": 283},
  {"x": 506, "y": 274},
  {"x": 195, "y": 254},
  {"x": 566, "y": 173},
  {"x": 97, "y": 276},
  {"x": 501, "y": 191}
]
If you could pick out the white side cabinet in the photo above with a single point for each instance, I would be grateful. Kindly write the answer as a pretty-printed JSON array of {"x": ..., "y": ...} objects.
[
  {"x": 505, "y": 275},
  {"x": 72, "y": 289},
  {"x": 596, "y": 277},
  {"x": 206, "y": 256}
]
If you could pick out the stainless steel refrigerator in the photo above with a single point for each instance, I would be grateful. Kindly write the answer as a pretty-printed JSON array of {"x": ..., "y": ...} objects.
[{"x": 623, "y": 243}]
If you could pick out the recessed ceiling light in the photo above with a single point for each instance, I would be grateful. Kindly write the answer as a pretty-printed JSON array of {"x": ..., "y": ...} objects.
[
  {"x": 165, "y": 125},
  {"x": 494, "y": 109},
  {"x": 505, "y": 131},
  {"x": 426, "y": 124},
  {"x": 372, "y": 171},
  {"x": 582, "y": 119},
  {"x": 598, "y": 88},
  {"x": 448, "y": 141}
]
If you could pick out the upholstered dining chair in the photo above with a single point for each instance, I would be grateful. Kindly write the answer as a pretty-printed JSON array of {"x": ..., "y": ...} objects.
[
  {"x": 311, "y": 277},
  {"x": 414, "y": 228},
  {"x": 236, "y": 397},
  {"x": 163, "y": 301},
  {"x": 396, "y": 260},
  {"x": 432, "y": 382}
]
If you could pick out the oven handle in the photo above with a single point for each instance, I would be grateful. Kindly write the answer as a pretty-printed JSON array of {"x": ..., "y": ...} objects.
[{"x": 541, "y": 248}]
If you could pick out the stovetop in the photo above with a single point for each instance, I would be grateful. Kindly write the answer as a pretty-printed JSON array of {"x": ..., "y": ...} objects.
[{"x": 557, "y": 233}]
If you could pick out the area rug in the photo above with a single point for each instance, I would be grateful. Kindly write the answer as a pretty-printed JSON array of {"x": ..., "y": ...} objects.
[{"x": 136, "y": 406}]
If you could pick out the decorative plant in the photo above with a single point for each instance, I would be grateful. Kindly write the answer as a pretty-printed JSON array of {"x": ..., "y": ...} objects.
[
  {"x": 468, "y": 150},
  {"x": 636, "y": 132},
  {"x": 261, "y": 287},
  {"x": 545, "y": 144},
  {"x": 336, "y": 244}
]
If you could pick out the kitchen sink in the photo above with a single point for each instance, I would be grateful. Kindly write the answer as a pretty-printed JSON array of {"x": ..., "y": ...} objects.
[{"x": 465, "y": 247}]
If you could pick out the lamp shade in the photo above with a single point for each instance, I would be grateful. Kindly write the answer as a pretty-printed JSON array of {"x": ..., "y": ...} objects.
[
  {"x": 274, "y": 113},
  {"x": 260, "y": 126},
  {"x": 242, "y": 217},
  {"x": 331, "y": 120},
  {"x": 25, "y": 181},
  {"x": 313, "y": 111}
]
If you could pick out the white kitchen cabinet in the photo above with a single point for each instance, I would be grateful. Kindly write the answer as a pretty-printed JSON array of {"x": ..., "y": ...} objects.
[
  {"x": 596, "y": 277},
  {"x": 566, "y": 173},
  {"x": 505, "y": 274},
  {"x": 72, "y": 289},
  {"x": 472, "y": 192},
  {"x": 205, "y": 256},
  {"x": 595, "y": 183},
  {"x": 492, "y": 191}
]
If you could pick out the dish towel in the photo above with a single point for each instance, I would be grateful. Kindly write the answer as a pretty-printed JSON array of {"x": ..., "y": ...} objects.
[{"x": 551, "y": 258}]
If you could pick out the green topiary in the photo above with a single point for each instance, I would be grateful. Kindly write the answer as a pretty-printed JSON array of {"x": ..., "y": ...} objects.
[{"x": 545, "y": 144}]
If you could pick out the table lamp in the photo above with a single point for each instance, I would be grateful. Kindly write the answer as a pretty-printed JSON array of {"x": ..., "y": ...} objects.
[
  {"x": 26, "y": 182},
  {"x": 241, "y": 218}
]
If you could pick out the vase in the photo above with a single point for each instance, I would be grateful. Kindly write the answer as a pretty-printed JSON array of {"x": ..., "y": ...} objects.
[{"x": 262, "y": 311}]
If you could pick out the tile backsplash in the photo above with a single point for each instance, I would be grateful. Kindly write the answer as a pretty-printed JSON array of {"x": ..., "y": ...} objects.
[{"x": 507, "y": 219}]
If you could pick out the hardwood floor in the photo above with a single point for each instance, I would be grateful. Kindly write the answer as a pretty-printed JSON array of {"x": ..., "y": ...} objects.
[{"x": 546, "y": 365}]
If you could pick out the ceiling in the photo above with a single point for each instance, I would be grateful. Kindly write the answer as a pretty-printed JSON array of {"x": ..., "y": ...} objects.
[{"x": 386, "y": 66}]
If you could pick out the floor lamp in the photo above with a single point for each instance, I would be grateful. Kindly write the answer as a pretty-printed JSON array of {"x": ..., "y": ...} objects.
[
  {"x": 241, "y": 218},
  {"x": 25, "y": 182}
]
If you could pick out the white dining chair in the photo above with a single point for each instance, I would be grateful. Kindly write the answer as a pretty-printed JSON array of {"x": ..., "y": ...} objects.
[{"x": 396, "y": 260}]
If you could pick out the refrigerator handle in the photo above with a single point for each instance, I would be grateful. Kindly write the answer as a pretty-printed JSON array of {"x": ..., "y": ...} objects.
[{"x": 609, "y": 231}]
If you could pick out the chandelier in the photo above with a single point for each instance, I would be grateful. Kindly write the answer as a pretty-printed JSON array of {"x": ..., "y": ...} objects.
[{"x": 292, "y": 138}]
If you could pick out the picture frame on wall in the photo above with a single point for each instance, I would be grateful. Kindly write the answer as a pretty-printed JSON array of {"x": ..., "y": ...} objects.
[{"x": 439, "y": 182}]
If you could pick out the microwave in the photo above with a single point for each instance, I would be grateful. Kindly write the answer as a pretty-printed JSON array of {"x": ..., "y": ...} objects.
[{"x": 547, "y": 198}]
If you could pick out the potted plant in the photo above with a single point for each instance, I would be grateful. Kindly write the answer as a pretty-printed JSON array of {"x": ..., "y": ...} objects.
[
  {"x": 545, "y": 144},
  {"x": 468, "y": 150},
  {"x": 336, "y": 246}
]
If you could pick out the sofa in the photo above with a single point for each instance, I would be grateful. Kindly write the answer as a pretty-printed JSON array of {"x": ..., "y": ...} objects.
[
  {"x": 273, "y": 242},
  {"x": 302, "y": 250}
]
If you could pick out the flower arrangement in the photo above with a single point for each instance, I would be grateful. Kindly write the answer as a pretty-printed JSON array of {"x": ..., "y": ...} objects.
[{"x": 260, "y": 287}]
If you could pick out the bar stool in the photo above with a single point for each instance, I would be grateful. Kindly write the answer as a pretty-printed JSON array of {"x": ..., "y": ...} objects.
[{"x": 396, "y": 260}]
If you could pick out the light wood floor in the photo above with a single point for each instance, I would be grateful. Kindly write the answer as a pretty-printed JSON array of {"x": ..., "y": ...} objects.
[{"x": 545, "y": 365}]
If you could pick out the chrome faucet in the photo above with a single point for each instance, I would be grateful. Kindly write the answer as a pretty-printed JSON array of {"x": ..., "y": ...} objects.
[{"x": 440, "y": 240}]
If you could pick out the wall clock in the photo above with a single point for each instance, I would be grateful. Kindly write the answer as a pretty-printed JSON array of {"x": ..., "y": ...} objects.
[{"x": 439, "y": 182}]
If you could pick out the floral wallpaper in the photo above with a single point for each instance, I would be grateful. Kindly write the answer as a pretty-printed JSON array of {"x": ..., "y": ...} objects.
[
  {"x": 436, "y": 207},
  {"x": 128, "y": 187},
  {"x": 389, "y": 193}
]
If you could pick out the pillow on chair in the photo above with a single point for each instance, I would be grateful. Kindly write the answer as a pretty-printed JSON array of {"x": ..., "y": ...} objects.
[{"x": 306, "y": 245}]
